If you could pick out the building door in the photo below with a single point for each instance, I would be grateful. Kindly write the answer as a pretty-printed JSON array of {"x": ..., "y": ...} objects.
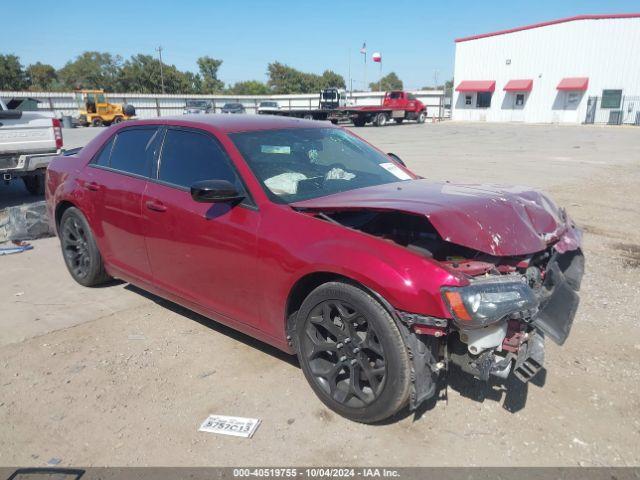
[{"x": 591, "y": 110}]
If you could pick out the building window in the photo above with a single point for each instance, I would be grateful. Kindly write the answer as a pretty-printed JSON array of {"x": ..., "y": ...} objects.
[
  {"x": 519, "y": 99},
  {"x": 467, "y": 99},
  {"x": 611, "y": 98},
  {"x": 573, "y": 98},
  {"x": 483, "y": 100}
]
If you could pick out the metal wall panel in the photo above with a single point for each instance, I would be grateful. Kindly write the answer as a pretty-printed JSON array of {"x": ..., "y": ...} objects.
[
  {"x": 600, "y": 49},
  {"x": 151, "y": 105}
]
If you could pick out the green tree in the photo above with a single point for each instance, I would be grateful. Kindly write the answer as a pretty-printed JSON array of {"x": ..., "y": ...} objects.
[
  {"x": 209, "y": 75},
  {"x": 141, "y": 73},
  {"x": 448, "y": 87},
  {"x": 92, "y": 70},
  {"x": 284, "y": 79},
  {"x": 12, "y": 75},
  {"x": 386, "y": 83},
  {"x": 330, "y": 79},
  {"x": 42, "y": 77},
  {"x": 249, "y": 87}
]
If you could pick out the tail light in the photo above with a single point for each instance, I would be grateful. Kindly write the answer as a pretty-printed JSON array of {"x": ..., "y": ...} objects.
[{"x": 57, "y": 132}]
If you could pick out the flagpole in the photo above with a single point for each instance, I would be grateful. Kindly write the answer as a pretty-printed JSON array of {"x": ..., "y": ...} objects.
[
  {"x": 350, "y": 89},
  {"x": 363, "y": 51}
]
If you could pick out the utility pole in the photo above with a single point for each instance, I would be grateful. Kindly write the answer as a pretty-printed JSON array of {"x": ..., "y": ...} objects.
[{"x": 159, "y": 50}]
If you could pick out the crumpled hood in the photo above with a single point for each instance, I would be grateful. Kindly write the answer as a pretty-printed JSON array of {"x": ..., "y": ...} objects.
[{"x": 494, "y": 219}]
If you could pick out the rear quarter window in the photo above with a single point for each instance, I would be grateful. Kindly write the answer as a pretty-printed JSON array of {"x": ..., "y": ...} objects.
[
  {"x": 104, "y": 155},
  {"x": 133, "y": 150}
]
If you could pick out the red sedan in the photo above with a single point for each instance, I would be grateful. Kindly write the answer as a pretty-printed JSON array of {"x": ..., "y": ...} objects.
[{"x": 308, "y": 238}]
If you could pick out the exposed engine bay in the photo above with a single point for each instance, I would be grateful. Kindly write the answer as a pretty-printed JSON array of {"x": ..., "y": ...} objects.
[{"x": 500, "y": 320}]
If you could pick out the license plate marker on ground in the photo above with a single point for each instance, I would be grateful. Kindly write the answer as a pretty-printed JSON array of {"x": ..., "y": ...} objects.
[{"x": 235, "y": 426}]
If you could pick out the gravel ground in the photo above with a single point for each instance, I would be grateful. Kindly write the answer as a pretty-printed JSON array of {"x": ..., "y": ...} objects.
[{"x": 113, "y": 376}]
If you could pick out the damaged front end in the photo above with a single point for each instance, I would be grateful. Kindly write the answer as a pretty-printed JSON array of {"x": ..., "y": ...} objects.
[
  {"x": 500, "y": 318},
  {"x": 500, "y": 321}
]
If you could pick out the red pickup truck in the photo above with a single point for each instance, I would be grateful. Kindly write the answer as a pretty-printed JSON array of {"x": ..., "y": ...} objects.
[{"x": 396, "y": 105}]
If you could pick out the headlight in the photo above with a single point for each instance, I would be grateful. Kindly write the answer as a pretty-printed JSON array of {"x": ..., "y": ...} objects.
[{"x": 489, "y": 300}]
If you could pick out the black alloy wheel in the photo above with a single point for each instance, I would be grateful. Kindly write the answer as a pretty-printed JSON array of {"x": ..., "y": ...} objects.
[
  {"x": 345, "y": 354},
  {"x": 352, "y": 353},
  {"x": 81, "y": 255}
]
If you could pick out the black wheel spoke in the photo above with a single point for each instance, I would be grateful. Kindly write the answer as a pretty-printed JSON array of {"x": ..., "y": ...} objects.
[
  {"x": 370, "y": 343},
  {"x": 371, "y": 377},
  {"x": 356, "y": 389}
]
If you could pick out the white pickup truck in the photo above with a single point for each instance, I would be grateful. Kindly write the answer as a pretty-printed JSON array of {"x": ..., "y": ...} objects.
[{"x": 28, "y": 142}]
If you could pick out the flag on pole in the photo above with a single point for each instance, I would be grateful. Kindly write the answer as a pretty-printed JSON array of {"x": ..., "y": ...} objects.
[
  {"x": 377, "y": 57},
  {"x": 363, "y": 50}
]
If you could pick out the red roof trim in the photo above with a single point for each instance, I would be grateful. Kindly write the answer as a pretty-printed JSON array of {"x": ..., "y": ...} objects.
[
  {"x": 573, "y": 83},
  {"x": 551, "y": 22},
  {"x": 524, "y": 85},
  {"x": 476, "y": 86}
]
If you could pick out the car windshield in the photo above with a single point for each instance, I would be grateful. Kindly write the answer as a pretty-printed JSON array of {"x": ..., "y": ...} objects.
[
  {"x": 303, "y": 163},
  {"x": 232, "y": 105},
  {"x": 197, "y": 103},
  {"x": 268, "y": 104}
]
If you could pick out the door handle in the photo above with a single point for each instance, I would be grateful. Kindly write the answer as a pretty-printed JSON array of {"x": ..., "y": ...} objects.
[
  {"x": 93, "y": 186},
  {"x": 156, "y": 206}
]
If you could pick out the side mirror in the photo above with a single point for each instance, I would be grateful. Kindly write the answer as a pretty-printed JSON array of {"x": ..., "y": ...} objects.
[
  {"x": 213, "y": 191},
  {"x": 396, "y": 158}
]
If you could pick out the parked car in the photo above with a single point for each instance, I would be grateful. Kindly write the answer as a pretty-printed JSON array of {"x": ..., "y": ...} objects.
[
  {"x": 302, "y": 235},
  {"x": 268, "y": 107},
  {"x": 198, "y": 106},
  {"x": 233, "y": 108},
  {"x": 28, "y": 142}
]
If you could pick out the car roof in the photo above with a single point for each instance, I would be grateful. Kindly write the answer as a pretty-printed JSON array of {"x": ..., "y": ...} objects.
[{"x": 235, "y": 123}]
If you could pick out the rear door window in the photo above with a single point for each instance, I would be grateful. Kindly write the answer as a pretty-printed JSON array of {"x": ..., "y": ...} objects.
[
  {"x": 134, "y": 150},
  {"x": 189, "y": 156}
]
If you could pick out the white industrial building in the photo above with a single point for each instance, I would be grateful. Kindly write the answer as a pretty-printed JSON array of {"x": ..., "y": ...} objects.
[{"x": 583, "y": 69}]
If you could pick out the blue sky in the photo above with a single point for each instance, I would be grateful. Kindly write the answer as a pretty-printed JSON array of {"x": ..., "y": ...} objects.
[{"x": 416, "y": 38}]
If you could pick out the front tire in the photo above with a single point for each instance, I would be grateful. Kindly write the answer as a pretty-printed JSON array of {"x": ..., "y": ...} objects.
[
  {"x": 79, "y": 249},
  {"x": 352, "y": 353}
]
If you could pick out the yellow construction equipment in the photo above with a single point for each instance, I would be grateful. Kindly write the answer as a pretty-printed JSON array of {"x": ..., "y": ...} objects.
[{"x": 95, "y": 110}]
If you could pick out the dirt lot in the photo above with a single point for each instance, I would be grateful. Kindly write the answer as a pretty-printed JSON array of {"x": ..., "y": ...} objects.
[{"x": 112, "y": 376}]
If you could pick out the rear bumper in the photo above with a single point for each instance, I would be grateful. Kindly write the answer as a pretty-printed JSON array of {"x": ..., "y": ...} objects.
[{"x": 28, "y": 164}]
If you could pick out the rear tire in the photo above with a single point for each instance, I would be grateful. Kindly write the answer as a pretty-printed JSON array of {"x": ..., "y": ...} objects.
[
  {"x": 381, "y": 120},
  {"x": 97, "y": 122},
  {"x": 352, "y": 353},
  {"x": 79, "y": 249},
  {"x": 34, "y": 184}
]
